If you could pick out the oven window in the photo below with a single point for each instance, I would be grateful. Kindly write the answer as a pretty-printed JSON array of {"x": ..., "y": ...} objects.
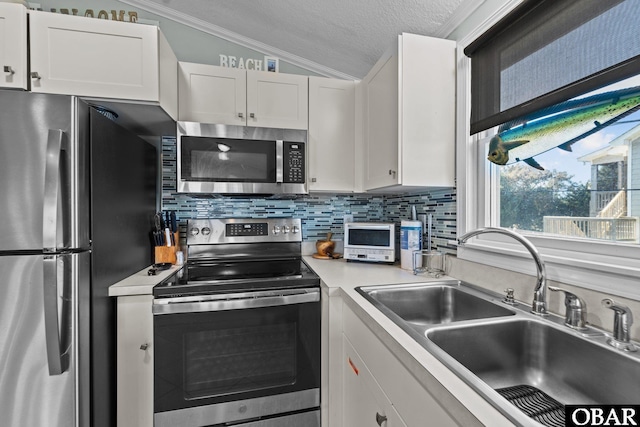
[
  {"x": 227, "y": 160},
  {"x": 234, "y": 360},
  {"x": 210, "y": 357},
  {"x": 359, "y": 237}
]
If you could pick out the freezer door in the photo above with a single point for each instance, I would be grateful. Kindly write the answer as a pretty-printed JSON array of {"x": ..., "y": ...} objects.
[
  {"x": 43, "y": 172},
  {"x": 38, "y": 339}
]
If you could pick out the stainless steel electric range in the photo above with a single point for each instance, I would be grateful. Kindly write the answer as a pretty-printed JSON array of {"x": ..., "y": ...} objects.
[{"x": 237, "y": 330}]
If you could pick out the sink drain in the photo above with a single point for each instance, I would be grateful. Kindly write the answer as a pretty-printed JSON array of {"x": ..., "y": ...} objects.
[{"x": 536, "y": 404}]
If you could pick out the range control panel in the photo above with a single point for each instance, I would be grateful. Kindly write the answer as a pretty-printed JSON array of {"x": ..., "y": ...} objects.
[
  {"x": 248, "y": 229},
  {"x": 243, "y": 230}
]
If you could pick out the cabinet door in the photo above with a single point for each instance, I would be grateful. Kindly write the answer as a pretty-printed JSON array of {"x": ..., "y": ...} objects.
[
  {"x": 381, "y": 121},
  {"x": 93, "y": 57},
  {"x": 365, "y": 404},
  {"x": 277, "y": 100},
  {"x": 135, "y": 361},
  {"x": 331, "y": 135},
  {"x": 211, "y": 94},
  {"x": 13, "y": 45}
]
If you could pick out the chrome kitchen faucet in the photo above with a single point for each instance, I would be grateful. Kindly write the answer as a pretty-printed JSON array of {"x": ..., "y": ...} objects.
[{"x": 539, "y": 305}]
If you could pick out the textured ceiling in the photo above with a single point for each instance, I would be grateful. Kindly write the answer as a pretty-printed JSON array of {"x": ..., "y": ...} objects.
[{"x": 347, "y": 36}]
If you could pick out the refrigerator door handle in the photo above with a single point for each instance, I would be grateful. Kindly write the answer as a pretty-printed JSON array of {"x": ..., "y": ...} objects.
[
  {"x": 56, "y": 144},
  {"x": 57, "y": 357}
]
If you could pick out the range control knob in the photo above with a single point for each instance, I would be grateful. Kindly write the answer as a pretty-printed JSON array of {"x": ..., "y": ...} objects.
[
  {"x": 194, "y": 231},
  {"x": 295, "y": 229},
  {"x": 206, "y": 231},
  {"x": 285, "y": 229},
  {"x": 276, "y": 229}
]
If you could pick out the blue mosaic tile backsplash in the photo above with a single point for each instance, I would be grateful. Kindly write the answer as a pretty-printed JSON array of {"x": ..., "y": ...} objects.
[{"x": 320, "y": 213}]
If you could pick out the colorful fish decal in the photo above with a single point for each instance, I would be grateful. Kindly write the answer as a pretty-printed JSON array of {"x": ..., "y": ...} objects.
[{"x": 560, "y": 126}]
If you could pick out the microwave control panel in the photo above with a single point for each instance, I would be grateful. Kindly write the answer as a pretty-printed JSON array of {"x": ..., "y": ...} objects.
[{"x": 294, "y": 162}]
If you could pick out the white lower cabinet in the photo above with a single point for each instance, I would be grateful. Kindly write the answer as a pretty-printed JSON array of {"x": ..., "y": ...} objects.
[
  {"x": 134, "y": 356},
  {"x": 382, "y": 384},
  {"x": 365, "y": 404}
]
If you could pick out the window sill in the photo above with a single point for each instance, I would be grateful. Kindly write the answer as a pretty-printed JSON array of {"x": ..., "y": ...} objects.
[{"x": 573, "y": 262}]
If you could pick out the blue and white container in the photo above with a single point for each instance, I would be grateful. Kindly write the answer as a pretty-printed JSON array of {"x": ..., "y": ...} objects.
[{"x": 410, "y": 241}]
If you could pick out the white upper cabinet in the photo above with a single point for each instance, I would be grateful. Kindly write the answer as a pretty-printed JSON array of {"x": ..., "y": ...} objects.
[
  {"x": 332, "y": 136},
  {"x": 209, "y": 94},
  {"x": 100, "y": 58},
  {"x": 13, "y": 46},
  {"x": 409, "y": 116},
  {"x": 277, "y": 100},
  {"x": 221, "y": 95}
]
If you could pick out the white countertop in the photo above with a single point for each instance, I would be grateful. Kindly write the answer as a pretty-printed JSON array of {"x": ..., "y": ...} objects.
[
  {"x": 339, "y": 273},
  {"x": 140, "y": 283},
  {"x": 342, "y": 277}
]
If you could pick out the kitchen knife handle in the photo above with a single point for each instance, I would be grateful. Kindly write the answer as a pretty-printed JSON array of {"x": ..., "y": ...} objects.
[
  {"x": 57, "y": 358},
  {"x": 56, "y": 145},
  {"x": 174, "y": 222}
]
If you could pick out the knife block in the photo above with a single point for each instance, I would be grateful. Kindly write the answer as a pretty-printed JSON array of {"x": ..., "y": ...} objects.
[{"x": 167, "y": 253}]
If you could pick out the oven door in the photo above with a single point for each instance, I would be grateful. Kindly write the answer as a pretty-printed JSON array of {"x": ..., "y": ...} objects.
[{"x": 242, "y": 356}]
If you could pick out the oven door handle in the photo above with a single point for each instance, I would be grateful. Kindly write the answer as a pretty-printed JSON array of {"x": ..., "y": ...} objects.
[{"x": 209, "y": 303}]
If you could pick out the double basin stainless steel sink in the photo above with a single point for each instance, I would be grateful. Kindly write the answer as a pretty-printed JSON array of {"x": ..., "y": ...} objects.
[{"x": 527, "y": 366}]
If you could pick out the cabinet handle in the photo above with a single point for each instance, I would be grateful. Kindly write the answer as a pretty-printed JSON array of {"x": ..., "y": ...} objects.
[
  {"x": 144, "y": 346},
  {"x": 8, "y": 69},
  {"x": 35, "y": 75},
  {"x": 380, "y": 419},
  {"x": 252, "y": 115},
  {"x": 313, "y": 180},
  {"x": 392, "y": 172},
  {"x": 241, "y": 115}
]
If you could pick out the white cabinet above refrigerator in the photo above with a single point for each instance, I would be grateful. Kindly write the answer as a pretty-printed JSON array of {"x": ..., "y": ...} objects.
[
  {"x": 13, "y": 46},
  {"x": 91, "y": 57}
]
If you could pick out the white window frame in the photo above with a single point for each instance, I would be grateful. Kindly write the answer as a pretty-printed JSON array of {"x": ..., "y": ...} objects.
[{"x": 602, "y": 266}]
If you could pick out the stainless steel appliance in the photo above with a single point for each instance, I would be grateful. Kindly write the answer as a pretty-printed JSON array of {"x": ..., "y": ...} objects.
[
  {"x": 77, "y": 193},
  {"x": 237, "y": 331},
  {"x": 370, "y": 241},
  {"x": 227, "y": 159}
]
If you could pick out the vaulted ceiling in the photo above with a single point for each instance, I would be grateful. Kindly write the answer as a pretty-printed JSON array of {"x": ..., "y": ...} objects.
[{"x": 339, "y": 38}]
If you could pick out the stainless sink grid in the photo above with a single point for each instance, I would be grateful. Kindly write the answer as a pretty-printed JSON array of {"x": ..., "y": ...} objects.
[{"x": 536, "y": 404}]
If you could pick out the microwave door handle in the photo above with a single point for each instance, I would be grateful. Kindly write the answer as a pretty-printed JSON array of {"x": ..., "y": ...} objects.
[{"x": 279, "y": 161}]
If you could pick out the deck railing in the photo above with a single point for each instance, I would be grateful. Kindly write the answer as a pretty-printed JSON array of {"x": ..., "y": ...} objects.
[
  {"x": 616, "y": 207},
  {"x": 615, "y": 229},
  {"x": 600, "y": 200}
]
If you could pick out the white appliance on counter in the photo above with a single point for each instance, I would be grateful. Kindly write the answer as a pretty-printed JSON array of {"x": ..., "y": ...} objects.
[
  {"x": 78, "y": 192},
  {"x": 370, "y": 241}
]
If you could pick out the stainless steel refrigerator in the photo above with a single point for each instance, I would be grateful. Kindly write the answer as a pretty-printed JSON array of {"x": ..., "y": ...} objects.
[{"x": 77, "y": 193}]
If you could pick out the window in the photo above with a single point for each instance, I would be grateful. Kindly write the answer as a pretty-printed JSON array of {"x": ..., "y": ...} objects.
[
  {"x": 576, "y": 176},
  {"x": 581, "y": 207}
]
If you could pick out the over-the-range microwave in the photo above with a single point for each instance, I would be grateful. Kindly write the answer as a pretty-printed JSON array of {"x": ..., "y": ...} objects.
[
  {"x": 370, "y": 241},
  {"x": 226, "y": 159}
]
